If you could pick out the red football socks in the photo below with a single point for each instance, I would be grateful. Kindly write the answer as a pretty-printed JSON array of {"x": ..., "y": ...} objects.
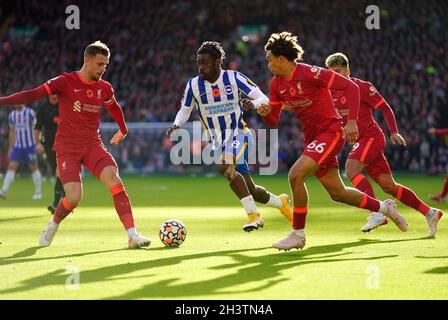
[
  {"x": 362, "y": 184},
  {"x": 122, "y": 205},
  {"x": 62, "y": 211},
  {"x": 299, "y": 218},
  {"x": 409, "y": 198}
]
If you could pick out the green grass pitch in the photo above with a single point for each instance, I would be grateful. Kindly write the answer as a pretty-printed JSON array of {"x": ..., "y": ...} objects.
[{"x": 218, "y": 260}]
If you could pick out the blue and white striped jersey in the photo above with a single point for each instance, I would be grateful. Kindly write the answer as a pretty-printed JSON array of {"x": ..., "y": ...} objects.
[
  {"x": 23, "y": 121},
  {"x": 218, "y": 103}
]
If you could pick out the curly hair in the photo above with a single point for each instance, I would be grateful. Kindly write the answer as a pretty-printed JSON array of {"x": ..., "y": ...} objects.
[
  {"x": 284, "y": 44},
  {"x": 212, "y": 48}
]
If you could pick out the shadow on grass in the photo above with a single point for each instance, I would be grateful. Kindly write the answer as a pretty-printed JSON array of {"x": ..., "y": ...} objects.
[
  {"x": 438, "y": 270},
  {"x": 18, "y": 219},
  {"x": 19, "y": 256},
  {"x": 247, "y": 271}
]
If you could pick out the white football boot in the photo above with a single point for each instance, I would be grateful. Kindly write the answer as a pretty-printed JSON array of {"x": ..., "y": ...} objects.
[
  {"x": 292, "y": 241},
  {"x": 37, "y": 196},
  {"x": 138, "y": 241},
  {"x": 393, "y": 214},
  {"x": 48, "y": 234},
  {"x": 432, "y": 219},
  {"x": 375, "y": 220}
]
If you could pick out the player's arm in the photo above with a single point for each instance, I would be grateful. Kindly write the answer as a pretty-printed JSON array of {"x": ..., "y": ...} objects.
[
  {"x": 334, "y": 81},
  {"x": 378, "y": 102},
  {"x": 38, "y": 130},
  {"x": 117, "y": 114},
  {"x": 257, "y": 97},
  {"x": 26, "y": 96},
  {"x": 438, "y": 131},
  {"x": 37, "y": 136},
  {"x": 184, "y": 112},
  {"x": 11, "y": 138},
  {"x": 271, "y": 111}
]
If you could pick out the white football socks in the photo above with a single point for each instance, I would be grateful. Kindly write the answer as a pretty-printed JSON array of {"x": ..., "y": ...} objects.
[
  {"x": 299, "y": 232},
  {"x": 37, "y": 180},
  {"x": 274, "y": 201},
  {"x": 9, "y": 178},
  {"x": 249, "y": 204},
  {"x": 131, "y": 232}
]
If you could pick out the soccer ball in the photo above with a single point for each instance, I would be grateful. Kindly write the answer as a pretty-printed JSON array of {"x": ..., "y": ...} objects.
[{"x": 172, "y": 233}]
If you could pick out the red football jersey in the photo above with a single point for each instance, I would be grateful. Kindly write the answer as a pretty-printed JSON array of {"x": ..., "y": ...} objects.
[
  {"x": 307, "y": 91},
  {"x": 370, "y": 99},
  {"x": 80, "y": 103}
]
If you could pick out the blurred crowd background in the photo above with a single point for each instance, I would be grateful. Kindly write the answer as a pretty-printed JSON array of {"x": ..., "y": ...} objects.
[{"x": 154, "y": 43}]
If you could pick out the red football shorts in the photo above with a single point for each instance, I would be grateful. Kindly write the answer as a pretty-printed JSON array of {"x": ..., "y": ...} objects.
[
  {"x": 369, "y": 150},
  {"x": 324, "y": 150},
  {"x": 94, "y": 157}
]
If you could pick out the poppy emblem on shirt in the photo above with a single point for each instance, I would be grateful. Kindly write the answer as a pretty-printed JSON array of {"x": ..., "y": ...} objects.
[
  {"x": 343, "y": 100},
  {"x": 89, "y": 93},
  {"x": 216, "y": 93},
  {"x": 292, "y": 91}
]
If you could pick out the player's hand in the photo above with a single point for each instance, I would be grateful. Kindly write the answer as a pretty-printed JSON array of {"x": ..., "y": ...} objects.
[
  {"x": 397, "y": 138},
  {"x": 287, "y": 106},
  {"x": 117, "y": 138},
  {"x": 264, "y": 110},
  {"x": 171, "y": 130},
  {"x": 40, "y": 148},
  {"x": 247, "y": 105},
  {"x": 432, "y": 130},
  {"x": 351, "y": 131}
]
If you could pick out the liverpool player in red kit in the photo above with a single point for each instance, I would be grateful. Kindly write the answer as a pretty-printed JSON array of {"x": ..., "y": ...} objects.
[
  {"x": 305, "y": 91},
  {"x": 367, "y": 153},
  {"x": 441, "y": 196},
  {"x": 81, "y": 95}
]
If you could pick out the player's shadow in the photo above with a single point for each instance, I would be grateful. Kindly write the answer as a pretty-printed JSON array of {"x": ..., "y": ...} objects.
[
  {"x": 438, "y": 270},
  {"x": 248, "y": 271},
  {"x": 22, "y": 256},
  {"x": 19, "y": 218}
]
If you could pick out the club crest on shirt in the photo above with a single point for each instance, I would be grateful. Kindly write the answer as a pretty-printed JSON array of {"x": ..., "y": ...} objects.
[
  {"x": 99, "y": 94},
  {"x": 228, "y": 89},
  {"x": 315, "y": 70},
  {"x": 373, "y": 90}
]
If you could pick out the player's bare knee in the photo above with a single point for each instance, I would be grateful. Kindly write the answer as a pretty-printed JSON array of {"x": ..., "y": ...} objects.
[
  {"x": 74, "y": 198},
  {"x": 295, "y": 177},
  {"x": 351, "y": 172},
  {"x": 389, "y": 188},
  {"x": 228, "y": 171},
  {"x": 337, "y": 195}
]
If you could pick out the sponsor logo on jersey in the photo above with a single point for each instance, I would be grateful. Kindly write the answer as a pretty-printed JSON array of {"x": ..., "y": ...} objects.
[
  {"x": 300, "y": 104},
  {"x": 77, "y": 106}
]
